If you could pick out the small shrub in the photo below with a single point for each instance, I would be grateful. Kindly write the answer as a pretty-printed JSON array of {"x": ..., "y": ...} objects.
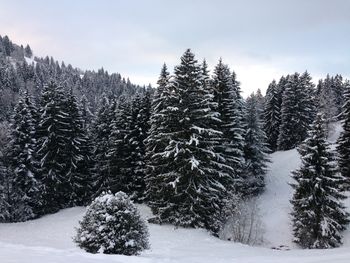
[
  {"x": 242, "y": 222},
  {"x": 112, "y": 225}
]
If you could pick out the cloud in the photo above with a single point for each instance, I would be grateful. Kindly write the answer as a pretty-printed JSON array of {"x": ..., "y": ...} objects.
[{"x": 260, "y": 40}]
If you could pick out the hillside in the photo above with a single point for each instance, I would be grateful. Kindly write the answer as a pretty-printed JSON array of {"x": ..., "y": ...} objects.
[
  {"x": 22, "y": 71},
  {"x": 48, "y": 239}
]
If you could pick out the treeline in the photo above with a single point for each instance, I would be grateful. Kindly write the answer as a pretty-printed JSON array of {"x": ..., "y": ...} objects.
[
  {"x": 56, "y": 157},
  {"x": 19, "y": 70},
  {"x": 185, "y": 151},
  {"x": 292, "y": 103}
]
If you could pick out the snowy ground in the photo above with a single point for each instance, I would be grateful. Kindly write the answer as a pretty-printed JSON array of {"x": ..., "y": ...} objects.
[{"x": 49, "y": 239}]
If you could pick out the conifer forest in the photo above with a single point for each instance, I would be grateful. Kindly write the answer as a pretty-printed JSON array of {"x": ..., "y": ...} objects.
[{"x": 190, "y": 168}]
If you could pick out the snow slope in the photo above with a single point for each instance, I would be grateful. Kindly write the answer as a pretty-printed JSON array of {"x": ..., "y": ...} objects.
[
  {"x": 274, "y": 202},
  {"x": 49, "y": 239}
]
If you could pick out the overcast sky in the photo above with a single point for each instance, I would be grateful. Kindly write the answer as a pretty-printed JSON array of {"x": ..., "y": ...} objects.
[{"x": 260, "y": 40}]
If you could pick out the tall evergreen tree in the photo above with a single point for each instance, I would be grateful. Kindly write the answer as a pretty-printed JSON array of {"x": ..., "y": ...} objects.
[
  {"x": 190, "y": 191},
  {"x": 25, "y": 186},
  {"x": 120, "y": 150},
  {"x": 343, "y": 143},
  {"x": 255, "y": 149},
  {"x": 140, "y": 116},
  {"x": 5, "y": 194},
  {"x": 51, "y": 151},
  {"x": 272, "y": 115},
  {"x": 101, "y": 131},
  {"x": 231, "y": 147},
  {"x": 86, "y": 113},
  {"x": 162, "y": 122},
  {"x": 78, "y": 165},
  {"x": 296, "y": 113},
  {"x": 318, "y": 213}
]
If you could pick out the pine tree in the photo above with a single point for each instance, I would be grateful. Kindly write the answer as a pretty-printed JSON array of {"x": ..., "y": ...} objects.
[
  {"x": 101, "y": 132},
  {"x": 296, "y": 112},
  {"x": 162, "y": 121},
  {"x": 255, "y": 149},
  {"x": 190, "y": 190},
  {"x": 78, "y": 165},
  {"x": 140, "y": 116},
  {"x": 339, "y": 92},
  {"x": 318, "y": 213},
  {"x": 330, "y": 98},
  {"x": 5, "y": 188},
  {"x": 272, "y": 115},
  {"x": 86, "y": 113},
  {"x": 25, "y": 186},
  {"x": 51, "y": 151},
  {"x": 119, "y": 152},
  {"x": 308, "y": 102},
  {"x": 343, "y": 143},
  {"x": 231, "y": 147},
  {"x": 28, "y": 51},
  {"x": 8, "y": 46}
]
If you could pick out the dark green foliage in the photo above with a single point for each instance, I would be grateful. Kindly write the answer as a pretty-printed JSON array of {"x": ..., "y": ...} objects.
[
  {"x": 25, "y": 187},
  {"x": 51, "y": 148},
  {"x": 101, "y": 132},
  {"x": 272, "y": 115},
  {"x": 79, "y": 164},
  {"x": 62, "y": 152},
  {"x": 119, "y": 150},
  {"x": 343, "y": 142},
  {"x": 255, "y": 149},
  {"x": 28, "y": 51},
  {"x": 318, "y": 213},
  {"x": 186, "y": 170},
  {"x": 229, "y": 122},
  {"x": 296, "y": 111}
]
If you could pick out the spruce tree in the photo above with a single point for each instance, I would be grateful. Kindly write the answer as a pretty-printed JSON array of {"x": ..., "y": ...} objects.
[
  {"x": 5, "y": 188},
  {"x": 231, "y": 146},
  {"x": 272, "y": 115},
  {"x": 86, "y": 114},
  {"x": 140, "y": 116},
  {"x": 25, "y": 186},
  {"x": 190, "y": 188},
  {"x": 296, "y": 112},
  {"x": 119, "y": 152},
  {"x": 78, "y": 165},
  {"x": 318, "y": 213},
  {"x": 101, "y": 132},
  {"x": 51, "y": 149},
  {"x": 162, "y": 122},
  {"x": 343, "y": 143},
  {"x": 255, "y": 149},
  {"x": 330, "y": 98}
]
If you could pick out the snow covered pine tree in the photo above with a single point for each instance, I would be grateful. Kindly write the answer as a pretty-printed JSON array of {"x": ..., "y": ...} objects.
[
  {"x": 318, "y": 213},
  {"x": 272, "y": 115},
  {"x": 255, "y": 149},
  {"x": 189, "y": 189},
  {"x": 25, "y": 186},
  {"x": 343, "y": 142},
  {"x": 112, "y": 225},
  {"x": 230, "y": 124}
]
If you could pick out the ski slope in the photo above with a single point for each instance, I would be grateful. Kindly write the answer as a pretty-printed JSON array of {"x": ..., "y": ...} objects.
[{"x": 49, "y": 239}]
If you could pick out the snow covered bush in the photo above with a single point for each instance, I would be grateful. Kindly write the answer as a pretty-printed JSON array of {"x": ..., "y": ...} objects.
[
  {"x": 112, "y": 225},
  {"x": 242, "y": 222}
]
